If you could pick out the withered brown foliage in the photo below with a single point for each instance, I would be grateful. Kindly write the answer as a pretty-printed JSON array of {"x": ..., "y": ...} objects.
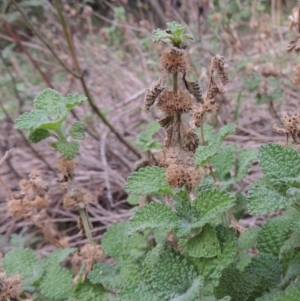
[{"x": 10, "y": 287}]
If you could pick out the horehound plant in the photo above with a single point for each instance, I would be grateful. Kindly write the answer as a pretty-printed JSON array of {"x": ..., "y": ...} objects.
[{"x": 179, "y": 245}]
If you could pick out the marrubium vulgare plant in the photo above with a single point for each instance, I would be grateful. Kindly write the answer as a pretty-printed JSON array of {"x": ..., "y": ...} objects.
[{"x": 184, "y": 96}]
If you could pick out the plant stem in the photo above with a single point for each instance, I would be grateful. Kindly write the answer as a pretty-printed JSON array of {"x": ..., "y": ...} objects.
[
  {"x": 86, "y": 225},
  {"x": 175, "y": 83}
]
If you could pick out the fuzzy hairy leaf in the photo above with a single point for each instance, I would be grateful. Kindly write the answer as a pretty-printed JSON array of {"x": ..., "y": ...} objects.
[
  {"x": 223, "y": 161},
  {"x": 225, "y": 131},
  {"x": 185, "y": 217},
  {"x": 170, "y": 276},
  {"x": 72, "y": 100},
  {"x": 51, "y": 103},
  {"x": 209, "y": 205},
  {"x": 125, "y": 273},
  {"x": 267, "y": 268},
  {"x": 235, "y": 284},
  {"x": 205, "y": 244},
  {"x": 273, "y": 235},
  {"x": 19, "y": 261},
  {"x": 145, "y": 141},
  {"x": 30, "y": 120},
  {"x": 206, "y": 153},
  {"x": 87, "y": 291},
  {"x": 57, "y": 283},
  {"x": 153, "y": 216},
  {"x": 159, "y": 35},
  {"x": 57, "y": 257},
  {"x": 148, "y": 180},
  {"x": 292, "y": 293},
  {"x": 281, "y": 164},
  {"x": 137, "y": 293},
  {"x": 38, "y": 135},
  {"x": 116, "y": 243},
  {"x": 77, "y": 130},
  {"x": 248, "y": 238},
  {"x": 263, "y": 198},
  {"x": 245, "y": 159},
  {"x": 211, "y": 268},
  {"x": 69, "y": 150}
]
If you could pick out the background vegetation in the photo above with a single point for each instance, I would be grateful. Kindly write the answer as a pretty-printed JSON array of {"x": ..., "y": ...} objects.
[{"x": 104, "y": 50}]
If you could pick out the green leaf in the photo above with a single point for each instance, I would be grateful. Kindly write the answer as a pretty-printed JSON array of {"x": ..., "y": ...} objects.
[
  {"x": 170, "y": 276},
  {"x": 267, "y": 268},
  {"x": 137, "y": 293},
  {"x": 77, "y": 130},
  {"x": 263, "y": 198},
  {"x": 69, "y": 150},
  {"x": 235, "y": 284},
  {"x": 72, "y": 100},
  {"x": 280, "y": 164},
  {"x": 133, "y": 199},
  {"x": 153, "y": 216},
  {"x": 248, "y": 238},
  {"x": 51, "y": 103},
  {"x": 38, "y": 135},
  {"x": 211, "y": 268},
  {"x": 273, "y": 235},
  {"x": 116, "y": 243},
  {"x": 148, "y": 180},
  {"x": 57, "y": 283},
  {"x": 245, "y": 159},
  {"x": 223, "y": 162},
  {"x": 57, "y": 257},
  {"x": 209, "y": 206},
  {"x": 292, "y": 293},
  {"x": 30, "y": 120},
  {"x": 145, "y": 141},
  {"x": 87, "y": 291},
  {"x": 19, "y": 261},
  {"x": 125, "y": 273},
  {"x": 205, "y": 244},
  {"x": 205, "y": 153},
  {"x": 176, "y": 28},
  {"x": 159, "y": 35},
  {"x": 225, "y": 131}
]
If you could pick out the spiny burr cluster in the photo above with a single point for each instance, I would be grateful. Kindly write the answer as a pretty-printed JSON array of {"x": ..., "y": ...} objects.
[
  {"x": 290, "y": 125},
  {"x": 181, "y": 141},
  {"x": 75, "y": 196},
  {"x": 32, "y": 196}
]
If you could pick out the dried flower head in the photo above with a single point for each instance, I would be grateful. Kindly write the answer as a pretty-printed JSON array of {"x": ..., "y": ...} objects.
[
  {"x": 10, "y": 287},
  {"x": 37, "y": 183},
  {"x": 175, "y": 60},
  {"x": 296, "y": 79},
  {"x": 67, "y": 167},
  {"x": 269, "y": 70},
  {"x": 197, "y": 115},
  {"x": 171, "y": 103},
  {"x": 178, "y": 176},
  {"x": 291, "y": 125},
  {"x": 19, "y": 208},
  {"x": 78, "y": 198},
  {"x": 41, "y": 202}
]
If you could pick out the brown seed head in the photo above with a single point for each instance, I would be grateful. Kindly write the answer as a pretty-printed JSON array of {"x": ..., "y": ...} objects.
[
  {"x": 193, "y": 177},
  {"x": 37, "y": 183},
  {"x": 78, "y": 198},
  {"x": 175, "y": 60},
  {"x": 171, "y": 103},
  {"x": 10, "y": 287},
  {"x": 67, "y": 167},
  {"x": 18, "y": 208},
  {"x": 269, "y": 70},
  {"x": 41, "y": 202},
  {"x": 175, "y": 176}
]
